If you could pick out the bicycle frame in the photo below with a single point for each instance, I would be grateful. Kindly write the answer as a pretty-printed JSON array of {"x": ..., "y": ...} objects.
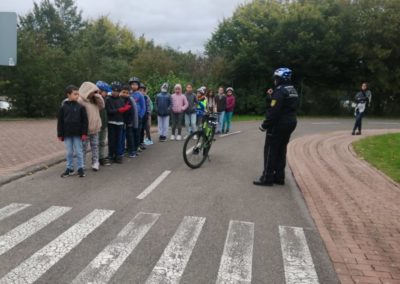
[{"x": 208, "y": 127}]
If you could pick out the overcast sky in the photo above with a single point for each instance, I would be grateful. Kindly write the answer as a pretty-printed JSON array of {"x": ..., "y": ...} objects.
[{"x": 182, "y": 24}]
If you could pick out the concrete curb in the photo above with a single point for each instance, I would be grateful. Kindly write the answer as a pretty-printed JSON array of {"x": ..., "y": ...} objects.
[
  {"x": 31, "y": 169},
  {"x": 39, "y": 167}
]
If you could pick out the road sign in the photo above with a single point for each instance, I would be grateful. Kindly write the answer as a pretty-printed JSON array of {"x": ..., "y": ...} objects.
[{"x": 8, "y": 38}]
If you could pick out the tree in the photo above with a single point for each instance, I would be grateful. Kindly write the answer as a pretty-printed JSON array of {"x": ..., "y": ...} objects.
[{"x": 332, "y": 45}]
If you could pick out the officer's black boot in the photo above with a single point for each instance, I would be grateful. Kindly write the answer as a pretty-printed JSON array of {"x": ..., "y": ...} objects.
[
  {"x": 262, "y": 181},
  {"x": 279, "y": 178}
]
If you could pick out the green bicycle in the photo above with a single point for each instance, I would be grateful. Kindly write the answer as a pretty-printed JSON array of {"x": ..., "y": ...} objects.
[{"x": 197, "y": 145}]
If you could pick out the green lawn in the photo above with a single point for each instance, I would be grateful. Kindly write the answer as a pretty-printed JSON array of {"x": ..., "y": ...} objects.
[{"x": 383, "y": 152}]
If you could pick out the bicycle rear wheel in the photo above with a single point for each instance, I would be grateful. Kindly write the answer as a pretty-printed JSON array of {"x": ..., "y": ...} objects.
[{"x": 194, "y": 149}]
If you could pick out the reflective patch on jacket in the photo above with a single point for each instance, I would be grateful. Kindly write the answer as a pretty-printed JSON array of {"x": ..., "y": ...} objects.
[{"x": 292, "y": 92}]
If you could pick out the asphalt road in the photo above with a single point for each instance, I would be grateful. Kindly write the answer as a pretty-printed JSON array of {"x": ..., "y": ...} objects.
[{"x": 209, "y": 225}]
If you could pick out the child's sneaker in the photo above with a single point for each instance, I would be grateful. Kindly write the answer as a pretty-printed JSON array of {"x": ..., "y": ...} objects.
[
  {"x": 132, "y": 155},
  {"x": 119, "y": 160},
  {"x": 172, "y": 137},
  {"x": 178, "y": 138},
  {"x": 67, "y": 173},
  {"x": 81, "y": 173},
  {"x": 95, "y": 166}
]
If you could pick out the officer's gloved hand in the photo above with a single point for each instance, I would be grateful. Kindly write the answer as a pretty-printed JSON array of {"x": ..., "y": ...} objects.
[
  {"x": 261, "y": 128},
  {"x": 264, "y": 126}
]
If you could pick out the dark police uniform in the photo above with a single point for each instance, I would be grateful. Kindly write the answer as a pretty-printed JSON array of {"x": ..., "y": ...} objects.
[{"x": 280, "y": 122}]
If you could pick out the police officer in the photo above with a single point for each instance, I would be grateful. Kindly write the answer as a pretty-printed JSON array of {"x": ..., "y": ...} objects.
[{"x": 279, "y": 124}]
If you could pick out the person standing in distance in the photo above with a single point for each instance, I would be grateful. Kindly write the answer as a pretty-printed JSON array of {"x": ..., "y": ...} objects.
[
  {"x": 363, "y": 99},
  {"x": 280, "y": 122}
]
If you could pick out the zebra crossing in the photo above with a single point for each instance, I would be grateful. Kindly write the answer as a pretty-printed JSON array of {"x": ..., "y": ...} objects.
[{"x": 235, "y": 262}]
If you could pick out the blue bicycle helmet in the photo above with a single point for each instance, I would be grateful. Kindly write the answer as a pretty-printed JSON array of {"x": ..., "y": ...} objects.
[
  {"x": 284, "y": 74},
  {"x": 103, "y": 86}
]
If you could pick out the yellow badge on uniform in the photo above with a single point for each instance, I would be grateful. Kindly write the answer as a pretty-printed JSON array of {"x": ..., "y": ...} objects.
[{"x": 273, "y": 103}]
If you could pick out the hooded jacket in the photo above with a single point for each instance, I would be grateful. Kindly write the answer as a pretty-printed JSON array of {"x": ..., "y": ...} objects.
[
  {"x": 179, "y": 103},
  {"x": 92, "y": 105}
]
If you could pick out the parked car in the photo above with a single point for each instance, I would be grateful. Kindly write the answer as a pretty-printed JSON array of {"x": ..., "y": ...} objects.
[{"x": 5, "y": 105}]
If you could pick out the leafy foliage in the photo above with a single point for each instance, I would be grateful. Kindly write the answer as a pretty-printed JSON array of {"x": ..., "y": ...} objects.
[
  {"x": 332, "y": 46},
  {"x": 56, "y": 47}
]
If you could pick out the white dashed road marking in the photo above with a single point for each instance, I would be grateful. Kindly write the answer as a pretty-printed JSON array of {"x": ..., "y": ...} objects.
[
  {"x": 11, "y": 209},
  {"x": 35, "y": 266},
  {"x": 237, "y": 258},
  {"x": 297, "y": 260},
  {"x": 229, "y": 134},
  {"x": 104, "y": 266},
  {"x": 153, "y": 186},
  {"x": 30, "y": 227},
  {"x": 171, "y": 265}
]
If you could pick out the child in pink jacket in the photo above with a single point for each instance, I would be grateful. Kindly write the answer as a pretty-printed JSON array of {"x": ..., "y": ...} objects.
[{"x": 179, "y": 105}]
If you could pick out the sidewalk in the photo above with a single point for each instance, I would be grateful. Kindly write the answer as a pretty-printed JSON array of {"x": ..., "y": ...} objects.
[
  {"x": 27, "y": 146},
  {"x": 355, "y": 207}
]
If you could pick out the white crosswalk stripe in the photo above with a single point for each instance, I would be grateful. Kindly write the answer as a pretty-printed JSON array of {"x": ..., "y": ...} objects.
[
  {"x": 297, "y": 260},
  {"x": 35, "y": 266},
  {"x": 236, "y": 261},
  {"x": 11, "y": 209},
  {"x": 103, "y": 267},
  {"x": 27, "y": 229},
  {"x": 235, "y": 266},
  {"x": 170, "y": 266},
  {"x": 153, "y": 186}
]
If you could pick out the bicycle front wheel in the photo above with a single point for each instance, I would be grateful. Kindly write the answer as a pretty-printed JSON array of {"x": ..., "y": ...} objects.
[{"x": 194, "y": 149}]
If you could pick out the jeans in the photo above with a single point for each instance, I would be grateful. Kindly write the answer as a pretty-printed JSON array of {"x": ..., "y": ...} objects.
[
  {"x": 114, "y": 136},
  {"x": 93, "y": 139},
  {"x": 358, "y": 123},
  {"x": 163, "y": 124},
  {"x": 190, "y": 122},
  {"x": 136, "y": 134},
  {"x": 145, "y": 119},
  {"x": 126, "y": 135},
  {"x": 227, "y": 121},
  {"x": 73, "y": 146},
  {"x": 102, "y": 144},
  {"x": 148, "y": 126},
  {"x": 176, "y": 122},
  {"x": 221, "y": 117}
]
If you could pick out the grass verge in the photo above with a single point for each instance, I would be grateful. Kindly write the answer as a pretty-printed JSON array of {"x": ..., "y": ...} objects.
[{"x": 383, "y": 152}]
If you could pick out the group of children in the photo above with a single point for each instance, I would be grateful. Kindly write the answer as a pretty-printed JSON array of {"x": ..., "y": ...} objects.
[
  {"x": 189, "y": 108},
  {"x": 120, "y": 114}
]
